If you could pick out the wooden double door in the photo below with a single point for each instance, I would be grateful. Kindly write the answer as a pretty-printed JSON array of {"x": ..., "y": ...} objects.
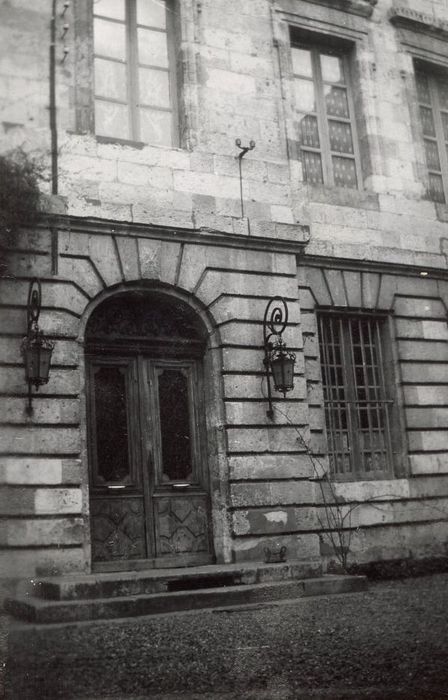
[{"x": 149, "y": 493}]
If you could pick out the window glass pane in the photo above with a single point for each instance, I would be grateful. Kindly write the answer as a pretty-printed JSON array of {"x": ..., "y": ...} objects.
[
  {"x": 301, "y": 62},
  {"x": 443, "y": 93},
  {"x": 155, "y": 127},
  {"x": 332, "y": 69},
  {"x": 111, "y": 119},
  {"x": 336, "y": 101},
  {"x": 427, "y": 121},
  {"x": 309, "y": 131},
  {"x": 175, "y": 425},
  {"x": 110, "y": 79},
  {"x": 312, "y": 167},
  {"x": 112, "y": 445},
  {"x": 444, "y": 116},
  {"x": 152, "y": 48},
  {"x": 432, "y": 155},
  {"x": 340, "y": 136},
  {"x": 356, "y": 414},
  {"x": 154, "y": 87},
  {"x": 109, "y": 8},
  {"x": 109, "y": 39},
  {"x": 152, "y": 13},
  {"x": 436, "y": 188},
  {"x": 423, "y": 88},
  {"x": 344, "y": 172},
  {"x": 304, "y": 95}
]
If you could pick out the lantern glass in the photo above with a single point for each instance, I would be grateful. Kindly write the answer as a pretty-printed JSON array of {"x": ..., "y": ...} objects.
[
  {"x": 44, "y": 364},
  {"x": 37, "y": 363},
  {"x": 283, "y": 372}
]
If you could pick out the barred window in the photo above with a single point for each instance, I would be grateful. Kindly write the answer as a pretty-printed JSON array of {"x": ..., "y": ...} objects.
[
  {"x": 324, "y": 110},
  {"x": 358, "y": 409},
  {"x": 432, "y": 91},
  {"x": 135, "y": 80}
]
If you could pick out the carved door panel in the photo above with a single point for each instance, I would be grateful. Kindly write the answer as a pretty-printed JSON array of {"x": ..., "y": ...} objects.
[
  {"x": 179, "y": 488},
  {"x": 116, "y": 488},
  {"x": 149, "y": 500}
]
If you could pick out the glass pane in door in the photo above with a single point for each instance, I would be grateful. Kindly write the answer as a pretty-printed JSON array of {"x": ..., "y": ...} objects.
[
  {"x": 112, "y": 443},
  {"x": 175, "y": 425}
]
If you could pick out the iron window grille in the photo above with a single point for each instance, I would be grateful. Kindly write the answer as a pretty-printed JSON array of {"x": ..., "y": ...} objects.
[
  {"x": 325, "y": 116},
  {"x": 358, "y": 410},
  {"x": 432, "y": 93},
  {"x": 134, "y": 67}
]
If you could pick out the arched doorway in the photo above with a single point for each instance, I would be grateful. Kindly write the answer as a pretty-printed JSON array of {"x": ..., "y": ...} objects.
[{"x": 149, "y": 482}]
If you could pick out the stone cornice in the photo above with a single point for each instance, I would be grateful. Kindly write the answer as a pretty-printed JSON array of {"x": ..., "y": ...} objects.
[
  {"x": 292, "y": 238},
  {"x": 389, "y": 268},
  {"x": 363, "y": 8},
  {"x": 405, "y": 18}
]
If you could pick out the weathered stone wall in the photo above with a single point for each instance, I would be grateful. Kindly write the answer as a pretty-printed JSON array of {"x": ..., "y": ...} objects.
[
  {"x": 235, "y": 64},
  {"x": 253, "y": 462},
  {"x": 418, "y": 308},
  {"x": 236, "y": 83}
]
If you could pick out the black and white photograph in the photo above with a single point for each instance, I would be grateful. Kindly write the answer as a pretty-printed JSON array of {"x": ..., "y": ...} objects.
[{"x": 224, "y": 349}]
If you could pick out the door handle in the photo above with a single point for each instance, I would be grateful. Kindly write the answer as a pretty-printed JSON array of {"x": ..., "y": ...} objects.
[{"x": 181, "y": 486}]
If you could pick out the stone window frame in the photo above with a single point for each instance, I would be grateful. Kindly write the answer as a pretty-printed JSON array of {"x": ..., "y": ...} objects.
[
  {"x": 344, "y": 25},
  {"x": 356, "y": 412},
  {"x": 334, "y": 287},
  {"x": 438, "y": 138},
  {"x": 184, "y": 62},
  {"x": 133, "y": 64},
  {"x": 325, "y": 151},
  {"x": 425, "y": 40}
]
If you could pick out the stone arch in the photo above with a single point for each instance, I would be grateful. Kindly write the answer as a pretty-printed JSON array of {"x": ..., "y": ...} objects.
[{"x": 208, "y": 333}]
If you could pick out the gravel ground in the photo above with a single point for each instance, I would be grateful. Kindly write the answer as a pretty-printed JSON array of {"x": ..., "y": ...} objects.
[{"x": 388, "y": 642}]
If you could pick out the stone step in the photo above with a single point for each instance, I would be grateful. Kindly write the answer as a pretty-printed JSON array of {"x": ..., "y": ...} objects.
[
  {"x": 108, "y": 585},
  {"x": 41, "y": 611}
]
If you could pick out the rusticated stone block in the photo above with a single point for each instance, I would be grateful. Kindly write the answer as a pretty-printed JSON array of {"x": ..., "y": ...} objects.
[
  {"x": 41, "y": 561},
  {"x": 40, "y": 440},
  {"x": 41, "y": 532},
  {"x": 279, "y": 493},
  {"x": 40, "y": 501},
  {"x": 39, "y": 471},
  {"x": 303, "y": 546},
  {"x": 274, "y": 521},
  {"x": 270, "y": 467},
  {"x": 14, "y": 410}
]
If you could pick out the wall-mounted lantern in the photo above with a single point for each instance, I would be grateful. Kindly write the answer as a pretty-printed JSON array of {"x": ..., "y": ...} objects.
[
  {"x": 36, "y": 349},
  {"x": 278, "y": 360}
]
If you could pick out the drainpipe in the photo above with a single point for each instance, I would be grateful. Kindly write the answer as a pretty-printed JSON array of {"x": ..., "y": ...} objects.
[{"x": 53, "y": 124}]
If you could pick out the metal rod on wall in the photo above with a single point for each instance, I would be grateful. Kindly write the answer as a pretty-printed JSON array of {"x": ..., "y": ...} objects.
[{"x": 240, "y": 156}]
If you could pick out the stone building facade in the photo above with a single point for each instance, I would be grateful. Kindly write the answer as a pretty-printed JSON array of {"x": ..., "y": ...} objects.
[{"x": 155, "y": 277}]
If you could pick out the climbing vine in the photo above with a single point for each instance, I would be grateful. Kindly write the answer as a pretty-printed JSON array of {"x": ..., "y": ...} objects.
[{"x": 19, "y": 197}]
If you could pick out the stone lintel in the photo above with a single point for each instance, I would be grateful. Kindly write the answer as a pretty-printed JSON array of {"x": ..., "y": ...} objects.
[
  {"x": 406, "y": 18},
  {"x": 363, "y": 8},
  {"x": 286, "y": 238}
]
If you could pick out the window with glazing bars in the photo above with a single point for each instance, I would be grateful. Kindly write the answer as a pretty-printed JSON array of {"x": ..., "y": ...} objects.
[
  {"x": 324, "y": 110},
  {"x": 135, "y": 85},
  {"x": 432, "y": 91},
  {"x": 357, "y": 409}
]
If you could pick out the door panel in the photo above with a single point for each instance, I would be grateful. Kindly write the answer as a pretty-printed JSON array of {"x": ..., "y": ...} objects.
[
  {"x": 181, "y": 525},
  {"x": 114, "y": 404},
  {"x": 180, "y": 501},
  {"x": 148, "y": 478},
  {"x": 118, "y": 529},
  {"x": 116, "y": 492}
]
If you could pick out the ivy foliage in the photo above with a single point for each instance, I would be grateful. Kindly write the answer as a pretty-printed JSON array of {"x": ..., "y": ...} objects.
[
  {"x": 19, "y": 197},
  {"x": 19, "y": 192}
]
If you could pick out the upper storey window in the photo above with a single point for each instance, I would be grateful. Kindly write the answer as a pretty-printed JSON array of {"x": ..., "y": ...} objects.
[
  {"x": 432, "y": 93},
  {"x": 325, "y": 116},
  {"x": 135, "y": 90}
]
